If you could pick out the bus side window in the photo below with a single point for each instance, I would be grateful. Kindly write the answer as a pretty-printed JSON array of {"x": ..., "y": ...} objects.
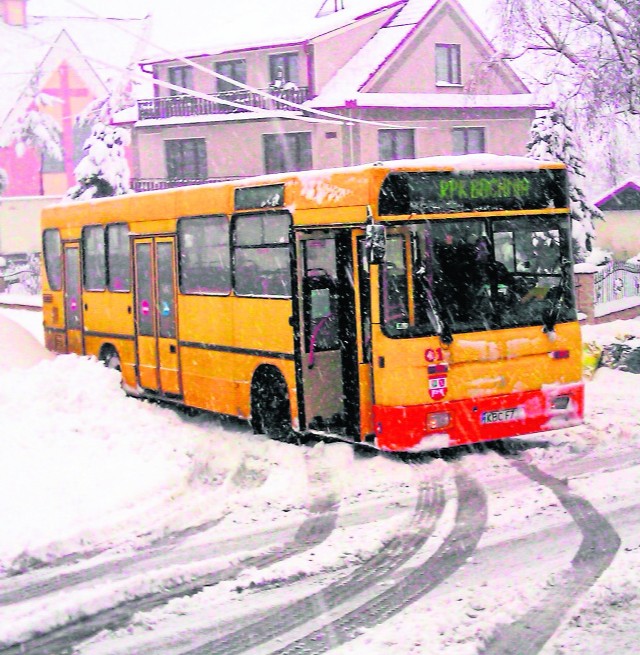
[
  {"x": 94, "y": 258},
  {"x": 261, "y": 254},
  {"x": 118, "y": 257},
  {"x": 205, "y": 260},
  {"x": 52, "y": 248}
]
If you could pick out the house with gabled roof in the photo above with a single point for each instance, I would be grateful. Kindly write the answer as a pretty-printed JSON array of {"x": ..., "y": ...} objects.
[
  {"x": 55, "y": 65},
  {"x": 620, "y": 230},
  {"x": 404, "y": 79}
]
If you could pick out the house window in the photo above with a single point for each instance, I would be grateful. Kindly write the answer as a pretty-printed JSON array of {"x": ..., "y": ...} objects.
[
  {"x": 186, "y": 159},
  {"x": 448, "y": 63},
  {"x": 467, "y": 140},
  {"x": 236, "y": 70},
  {"x": 283, "y": 68},
  {"x": 180, "y": 76},
  {"x": 396, "y": 144},
  {"x": 287, "y": 152}
]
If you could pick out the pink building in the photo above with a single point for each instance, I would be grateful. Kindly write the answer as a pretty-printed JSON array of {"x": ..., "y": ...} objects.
[
  {"x": 55, "y": 66},
  {"x": 409, "y": 78}
]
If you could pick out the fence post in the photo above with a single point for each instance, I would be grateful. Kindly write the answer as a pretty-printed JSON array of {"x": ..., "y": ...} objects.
[{"x": 584, "y": 275}]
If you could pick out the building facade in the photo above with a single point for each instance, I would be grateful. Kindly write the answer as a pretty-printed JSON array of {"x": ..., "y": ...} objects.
[{"x": 408, "y": 79}]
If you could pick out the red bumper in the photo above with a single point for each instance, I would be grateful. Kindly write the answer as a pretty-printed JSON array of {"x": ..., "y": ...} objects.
[{"x": 479, "y": 419}]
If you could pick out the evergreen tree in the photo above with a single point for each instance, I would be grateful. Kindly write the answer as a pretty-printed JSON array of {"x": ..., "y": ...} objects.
[
  {"x": 104, "y": 170},
  {"x": 552, "y": 140}
]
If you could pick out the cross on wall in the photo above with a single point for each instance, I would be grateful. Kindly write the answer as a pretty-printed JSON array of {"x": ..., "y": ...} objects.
[{"x": 65, "y": 92}]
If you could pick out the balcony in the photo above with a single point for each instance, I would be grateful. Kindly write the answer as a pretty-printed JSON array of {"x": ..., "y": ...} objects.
[
  {"x": 158, "y": 183},
  {"x": 184, "y": 105}
]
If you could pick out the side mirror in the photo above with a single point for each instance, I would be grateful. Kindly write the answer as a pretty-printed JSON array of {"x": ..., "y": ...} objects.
[{"x": 375, "y": 240}]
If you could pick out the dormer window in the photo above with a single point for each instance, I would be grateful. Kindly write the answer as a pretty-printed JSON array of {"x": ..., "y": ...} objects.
[
  {"x": 180, "y": 76},
  {"x": 448, "y": 64},
  {"x": 283, "y": 70}
]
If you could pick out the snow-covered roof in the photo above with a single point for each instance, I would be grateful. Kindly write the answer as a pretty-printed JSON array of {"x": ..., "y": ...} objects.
[
  {"x": 45, "y": 41},
  {"x": 629, "y": 184},
  {"x": 246, "y": 24}
]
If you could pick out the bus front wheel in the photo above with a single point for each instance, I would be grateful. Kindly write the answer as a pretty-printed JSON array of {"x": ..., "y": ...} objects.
[{"x": 270, "y": 408}]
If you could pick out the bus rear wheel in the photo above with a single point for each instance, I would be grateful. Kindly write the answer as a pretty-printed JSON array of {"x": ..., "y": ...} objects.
[
  {"x": 110, "y": 358},
  {"x": 270, "y": 408}
]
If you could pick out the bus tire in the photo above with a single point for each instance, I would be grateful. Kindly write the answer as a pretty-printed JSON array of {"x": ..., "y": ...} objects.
[
  {"x": 270, "y": 407},
  {"x": 110, "y": 358}
]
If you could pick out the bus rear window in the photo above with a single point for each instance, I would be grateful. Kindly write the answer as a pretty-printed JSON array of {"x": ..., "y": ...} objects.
[
  {"x": 52, "y": 249},
  {"x": 93, "y": 253},
  {"x": 205, "y": 262},
  {"x": 118, "y": 257}
]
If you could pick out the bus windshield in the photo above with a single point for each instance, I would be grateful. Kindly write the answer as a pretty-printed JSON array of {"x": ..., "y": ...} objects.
[{"x": 454, "y": 276}]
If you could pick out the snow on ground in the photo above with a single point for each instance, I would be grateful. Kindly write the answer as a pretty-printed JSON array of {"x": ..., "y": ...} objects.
[{"x": 83, "y": 468}]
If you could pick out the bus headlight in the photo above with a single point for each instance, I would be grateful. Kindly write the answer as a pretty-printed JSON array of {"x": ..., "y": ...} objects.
[{"x": 438, "y": 420}]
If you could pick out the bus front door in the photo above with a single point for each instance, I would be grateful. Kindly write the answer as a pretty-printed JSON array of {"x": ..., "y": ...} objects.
[
  {"x": 155, "y": 316},
  {"x": 73, "y": 298},
  {"x": 328, "y": 350}
]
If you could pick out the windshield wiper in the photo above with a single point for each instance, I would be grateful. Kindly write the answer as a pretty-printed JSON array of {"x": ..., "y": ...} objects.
[{"x": 442, "y": 327}]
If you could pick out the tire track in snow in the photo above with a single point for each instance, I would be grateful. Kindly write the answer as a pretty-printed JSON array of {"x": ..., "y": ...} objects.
[
  {"x": 470, "y": 521},
  {"x": 373, "y": 572},
  {"x": 322, "y": 519},
  {"x": 600, "y": 543},
  {"x": 156, "y": 550}
]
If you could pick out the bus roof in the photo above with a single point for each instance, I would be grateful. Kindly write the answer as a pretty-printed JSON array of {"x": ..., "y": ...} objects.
[{"x": 335, "y": 187}]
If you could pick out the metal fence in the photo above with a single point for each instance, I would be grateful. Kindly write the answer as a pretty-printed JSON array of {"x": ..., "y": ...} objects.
[{"x": 615, "y": 281}]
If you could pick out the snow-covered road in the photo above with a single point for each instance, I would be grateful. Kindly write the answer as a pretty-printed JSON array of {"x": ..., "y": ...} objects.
[{"x": 128, "y": 528}]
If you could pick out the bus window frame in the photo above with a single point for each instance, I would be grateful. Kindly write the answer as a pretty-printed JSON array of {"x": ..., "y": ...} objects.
[
  {"x": 84, "y": 259},
  {"x": 180, "y": 284},
  {"x": 50, "y": 279},
  {"x": 287, "y": 245}
]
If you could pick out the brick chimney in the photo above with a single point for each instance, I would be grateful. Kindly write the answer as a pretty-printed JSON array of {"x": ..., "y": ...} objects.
[{"x": 14, "y": 12}]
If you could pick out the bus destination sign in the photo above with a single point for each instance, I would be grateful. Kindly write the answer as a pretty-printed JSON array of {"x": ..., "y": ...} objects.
[
  {"x": 484, "y": 188},
  {"x": 450, "y": 192}
]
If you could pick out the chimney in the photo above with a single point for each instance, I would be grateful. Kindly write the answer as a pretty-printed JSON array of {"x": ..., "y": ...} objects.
[{"x": 14, "y": 12}]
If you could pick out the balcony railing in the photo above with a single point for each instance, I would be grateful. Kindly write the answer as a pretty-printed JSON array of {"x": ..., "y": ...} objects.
[
  {"x": 157, "y": 183},
  {"x": 172, "y": 106}
]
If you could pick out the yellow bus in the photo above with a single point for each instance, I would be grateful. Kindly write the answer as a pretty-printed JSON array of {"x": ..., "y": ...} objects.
[{"x": 410, "y": 305}]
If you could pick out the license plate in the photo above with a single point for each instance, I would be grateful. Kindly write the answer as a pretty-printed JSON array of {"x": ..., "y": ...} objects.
[{"x": 502, "y": 415}]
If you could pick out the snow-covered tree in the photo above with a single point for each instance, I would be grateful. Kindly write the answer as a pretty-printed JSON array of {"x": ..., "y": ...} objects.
[
  {"x": 36, "y": 128},
  {"x": 118, "y": 96},
  {"x": 552, "y": 140},
  {"x": 594, "y": 45},
  {"x": 4, "y": 180},
  {"x": 104, "y": 170}
]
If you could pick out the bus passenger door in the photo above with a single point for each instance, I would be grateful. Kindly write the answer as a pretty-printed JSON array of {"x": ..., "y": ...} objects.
[
  {"x": 155, "y": 316},
  {"x": 328, "y": 335},
  {"x": 73, "y": 298}
]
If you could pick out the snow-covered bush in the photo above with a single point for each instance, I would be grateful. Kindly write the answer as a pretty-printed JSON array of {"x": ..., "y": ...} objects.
[{"x": 104, "y": 170}]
